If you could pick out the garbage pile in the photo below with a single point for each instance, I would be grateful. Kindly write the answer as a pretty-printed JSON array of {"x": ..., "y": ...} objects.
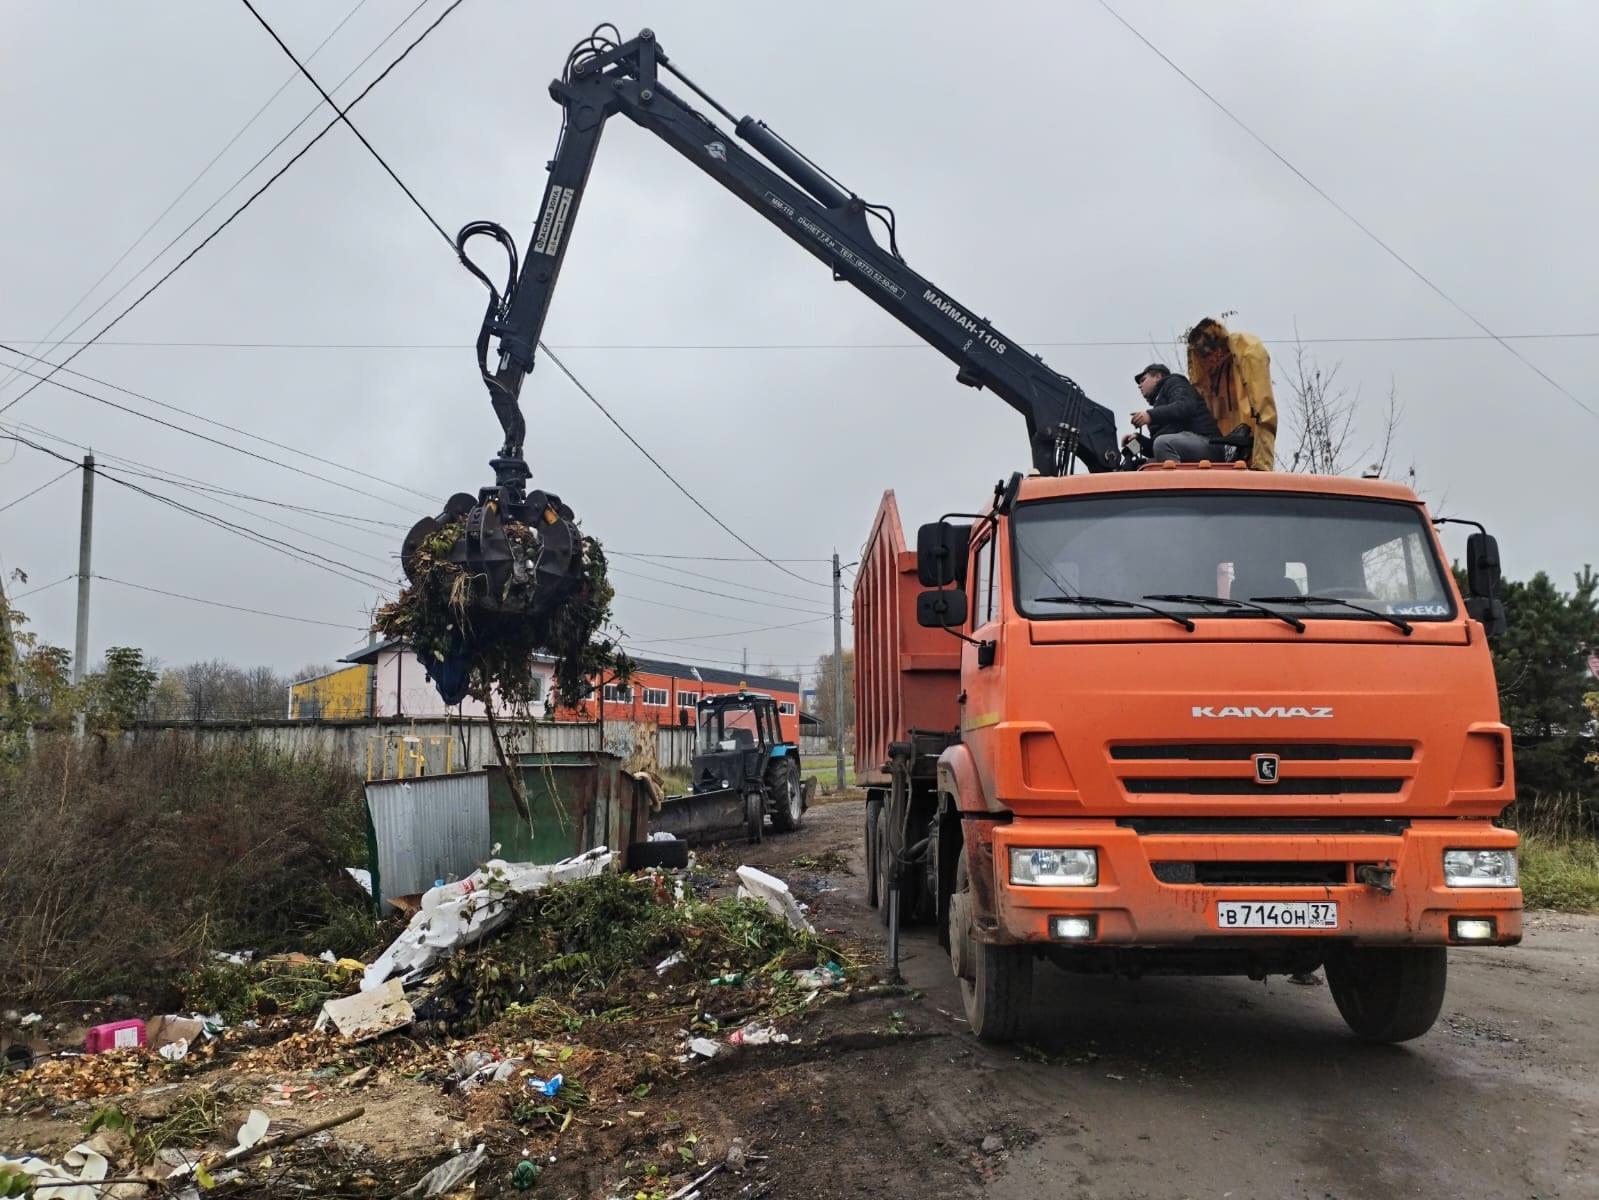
[{"x": 543, "y": 1002}]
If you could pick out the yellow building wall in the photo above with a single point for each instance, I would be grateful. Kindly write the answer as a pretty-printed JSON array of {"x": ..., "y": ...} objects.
[{"x": 339, "y": 696}]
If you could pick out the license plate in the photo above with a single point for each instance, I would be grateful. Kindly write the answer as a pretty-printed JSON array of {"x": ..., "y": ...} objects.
[{"x": 1292, "y": 914}]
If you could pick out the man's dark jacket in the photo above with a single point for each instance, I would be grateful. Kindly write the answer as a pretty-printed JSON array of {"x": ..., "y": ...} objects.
[{"x": 1177, "y": 408}]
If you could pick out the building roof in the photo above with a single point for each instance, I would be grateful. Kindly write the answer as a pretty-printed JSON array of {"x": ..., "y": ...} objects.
[
  {"x": 653, "y": 666},
  {"x": 677, "y": 670}
]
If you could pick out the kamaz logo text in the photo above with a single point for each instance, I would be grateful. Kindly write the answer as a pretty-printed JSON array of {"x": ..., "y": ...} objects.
[{"x": 1277, "y": 711}]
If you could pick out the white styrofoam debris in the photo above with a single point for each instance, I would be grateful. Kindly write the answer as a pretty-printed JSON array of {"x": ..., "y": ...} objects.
[{"x": 774, "y": 893}]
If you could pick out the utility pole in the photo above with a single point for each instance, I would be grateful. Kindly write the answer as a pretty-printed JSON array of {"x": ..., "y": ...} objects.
[
  {"x": 80, "y": 652},
  {"x": 8, "y": 647},
  {"x": 838, "y": 668},
  {"x": 746, "y": 661}
]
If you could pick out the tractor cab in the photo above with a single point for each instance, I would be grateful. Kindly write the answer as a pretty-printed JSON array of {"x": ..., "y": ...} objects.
[{"x": 738, "y": 735}]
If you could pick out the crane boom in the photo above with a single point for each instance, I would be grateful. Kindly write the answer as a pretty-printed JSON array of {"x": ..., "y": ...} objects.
[{"x": 604, "y": 79}]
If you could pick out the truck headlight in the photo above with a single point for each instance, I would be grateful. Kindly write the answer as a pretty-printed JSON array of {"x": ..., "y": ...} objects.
[
  {"x": 1480, "y": 868},
  {"x": 1054, "y": 868}
]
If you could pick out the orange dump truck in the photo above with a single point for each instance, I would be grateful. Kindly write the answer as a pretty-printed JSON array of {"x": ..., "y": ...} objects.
[{"x": 1191, "y": 719}]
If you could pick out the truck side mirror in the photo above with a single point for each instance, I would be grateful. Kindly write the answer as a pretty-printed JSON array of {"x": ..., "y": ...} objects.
[
  {"x": 1487, "y": 609},
  {"x": 1482, "y": 564},
  {"x": 941, "y": 554},
  {"x": 941, "y": 608}
]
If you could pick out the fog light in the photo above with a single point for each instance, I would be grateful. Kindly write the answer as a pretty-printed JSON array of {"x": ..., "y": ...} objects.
[
  {"x": 1072, "y": 929},
  {"x": 1054, "y": 868},
  {"x": 1473, "y": 929},
  {"x": 1480, "y": 868}
]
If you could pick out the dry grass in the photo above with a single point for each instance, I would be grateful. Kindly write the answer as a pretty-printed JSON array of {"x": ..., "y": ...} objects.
[{"x": 122, "y": 865}]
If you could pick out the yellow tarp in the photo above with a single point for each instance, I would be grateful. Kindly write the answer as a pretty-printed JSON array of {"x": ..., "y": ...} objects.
[{"x": 1233, "y": 373}]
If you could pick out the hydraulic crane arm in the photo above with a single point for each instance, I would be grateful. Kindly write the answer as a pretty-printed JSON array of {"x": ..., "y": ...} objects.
[{"x": 602, "y": 79}]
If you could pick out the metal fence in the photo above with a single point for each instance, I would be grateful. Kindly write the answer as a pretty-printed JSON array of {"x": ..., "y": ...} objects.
[{"x": 385, "y": 749}]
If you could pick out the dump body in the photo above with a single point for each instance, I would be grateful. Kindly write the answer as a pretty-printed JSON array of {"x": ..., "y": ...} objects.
[
  {"x": 1149, "y": 773},
  {"x": 907, "y": 677}
]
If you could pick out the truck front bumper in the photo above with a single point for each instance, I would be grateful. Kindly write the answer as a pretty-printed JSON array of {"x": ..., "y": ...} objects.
[{"x": 1130, "y": 906}]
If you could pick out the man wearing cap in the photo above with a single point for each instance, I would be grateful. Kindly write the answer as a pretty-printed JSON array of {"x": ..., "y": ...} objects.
[{"x": 1180, "y": 426}]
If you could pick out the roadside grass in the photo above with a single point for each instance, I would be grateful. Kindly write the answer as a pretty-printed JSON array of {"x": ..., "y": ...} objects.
[
  {"x": 1560, "y": 873},
  {"x": 825, "y": 768}
]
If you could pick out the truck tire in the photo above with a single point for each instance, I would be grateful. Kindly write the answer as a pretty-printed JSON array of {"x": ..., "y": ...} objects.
[
  {"x": 996, "y": 982},
  {"x": 874, "y": 805},
  {"x": 1388, "y": 994},
  {"x": 789, "y": 797},
  {"x": 881, "y": 852}
]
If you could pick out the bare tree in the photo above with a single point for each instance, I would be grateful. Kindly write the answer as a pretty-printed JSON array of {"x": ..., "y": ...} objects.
[{"x": 1324, "y": 414}]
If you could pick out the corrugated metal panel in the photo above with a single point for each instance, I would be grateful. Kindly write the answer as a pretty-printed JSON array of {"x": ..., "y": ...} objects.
[{"x": 432, "y": 828}]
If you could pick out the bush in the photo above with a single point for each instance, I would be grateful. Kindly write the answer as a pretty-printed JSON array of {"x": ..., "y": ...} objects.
[
  {"x": 1560, "y": 873},
  {"x": 122, "y": 864}
]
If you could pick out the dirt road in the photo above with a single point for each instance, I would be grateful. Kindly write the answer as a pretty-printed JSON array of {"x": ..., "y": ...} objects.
[{"x": 1196, "y": 1087}]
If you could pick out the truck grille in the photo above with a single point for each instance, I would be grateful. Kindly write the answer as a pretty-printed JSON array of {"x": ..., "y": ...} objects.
[
  {"x": 1226, "y": 768},
  {"x": 1244, "y": 751},
  {"x": 1307, "y": 785},
  {"x": 1254, "y": 874},
  {"x": 1263, "y": 826}
]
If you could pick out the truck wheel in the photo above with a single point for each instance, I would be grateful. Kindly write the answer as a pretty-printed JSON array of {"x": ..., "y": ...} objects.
[
  {"x": 789, "y": 797},
  {"x": 754, "y": 817},
  {"x": 873, "y": 880},
  {"x": 996, "y": 982},
  {"x": 1388, "y": 994}
]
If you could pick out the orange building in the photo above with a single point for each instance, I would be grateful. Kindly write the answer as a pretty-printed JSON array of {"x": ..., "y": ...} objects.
[{"x": 666, "y": 692}]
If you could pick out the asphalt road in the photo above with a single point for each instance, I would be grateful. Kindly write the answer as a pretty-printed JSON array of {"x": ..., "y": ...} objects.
[{"x": 1227, "y": 1088}]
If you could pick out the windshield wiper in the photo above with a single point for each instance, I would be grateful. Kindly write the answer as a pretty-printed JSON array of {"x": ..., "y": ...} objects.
[
  {"x": 1106, "y": 602},
  {"x": 1398, "y": 623},
  {"x": 1224, "y": 602}
]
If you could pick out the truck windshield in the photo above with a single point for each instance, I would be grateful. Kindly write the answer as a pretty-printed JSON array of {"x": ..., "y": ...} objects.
[
  {"x": 1379, "y": 555},
  {"x": 727, "y": 729}
]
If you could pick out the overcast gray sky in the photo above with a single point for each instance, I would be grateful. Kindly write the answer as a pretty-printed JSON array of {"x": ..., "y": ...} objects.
[{"x": 1047, "y": 169}]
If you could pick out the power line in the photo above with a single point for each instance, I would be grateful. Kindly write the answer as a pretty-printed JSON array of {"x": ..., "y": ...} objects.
[
  {"x": 456, "y": 253},
  {"x": 1349, "y": 216},
  {"x": 260, "y": 612},
  {"x": 689, "y": 587},
  {"x": 190, "y": 483},
  {"x": 714, "y": 558},
  {"x": 45, "y": 588},
  {"x": 205, "y": 170},
  {"x": 764, "y": 346},
  {"x": 299, "y": 553},
  {"x": 400, "y": 183},
  {"x": 37, "y": 490},
  {"x": 255, "y": 195},
  {"x": 736, "y": 632},
  {"x": 116, "y": 387},
  {"x": 750, "y": 587},
  {"x": 196, "y": 434}
]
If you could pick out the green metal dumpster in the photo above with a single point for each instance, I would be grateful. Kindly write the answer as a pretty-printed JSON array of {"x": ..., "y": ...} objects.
[{"x": 577, "y": 799}]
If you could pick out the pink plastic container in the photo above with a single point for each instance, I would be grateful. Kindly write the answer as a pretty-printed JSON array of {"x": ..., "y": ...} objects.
[{"x": 114, "y": 1035}]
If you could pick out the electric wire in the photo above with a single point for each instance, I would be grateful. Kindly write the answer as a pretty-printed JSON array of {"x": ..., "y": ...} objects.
[
  {"x": 1349, "y": 216},
  {"x": 459, "y": 254},
  {"x": 688, "y": 587},
  {"x": 749, "y": 587},
  {"x": 126, "y": 391},
  {"x": 251, "y": 199},
  {"x": 204, "y": 171},
  {"x": 1379, "y": 339},
  {"x": 260, "y": 612},
  {"x": 44, "y": 588},
  {"x": 37, "y": 490}
]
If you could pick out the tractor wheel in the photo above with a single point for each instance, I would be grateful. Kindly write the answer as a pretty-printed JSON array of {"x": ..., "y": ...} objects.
[
  {"x": 996, "y": 982},
  {"x": 754, "y": 817},
  {"x": 788, "y": 795}
]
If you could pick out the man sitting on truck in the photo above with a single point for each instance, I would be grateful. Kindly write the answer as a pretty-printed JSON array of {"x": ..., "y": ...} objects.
[{"x": 1178, "y": 420}]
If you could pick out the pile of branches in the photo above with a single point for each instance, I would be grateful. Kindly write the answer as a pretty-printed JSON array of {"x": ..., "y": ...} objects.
[{"x": 494, "y": 645}]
